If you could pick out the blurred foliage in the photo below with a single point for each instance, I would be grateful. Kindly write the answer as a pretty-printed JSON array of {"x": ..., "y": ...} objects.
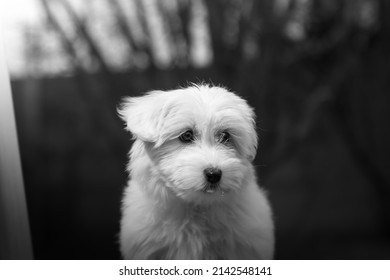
[{"x": 315, "y": 70}]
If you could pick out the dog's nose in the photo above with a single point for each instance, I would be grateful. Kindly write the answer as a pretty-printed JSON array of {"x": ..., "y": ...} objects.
[{"x": 213, "y": 175}]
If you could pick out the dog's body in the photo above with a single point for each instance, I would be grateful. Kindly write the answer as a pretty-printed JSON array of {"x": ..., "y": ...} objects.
[{"x": 193, "y": 191}]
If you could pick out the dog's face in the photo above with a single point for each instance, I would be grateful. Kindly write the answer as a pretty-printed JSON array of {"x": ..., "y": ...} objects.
[{"x": 200, "y": 139}]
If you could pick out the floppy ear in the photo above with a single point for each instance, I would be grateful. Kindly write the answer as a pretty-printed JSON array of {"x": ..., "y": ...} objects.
[
  {"x": 250, "y": 127},
  {"x": 142, "y": 115},
  {"x": 243, "y": 121},
  {"x": 252, "y": 138},
  {"x": 247, "y": 127}
]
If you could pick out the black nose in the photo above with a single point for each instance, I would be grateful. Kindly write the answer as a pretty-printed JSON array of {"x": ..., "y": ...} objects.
[{"x": 213, "y": 175}]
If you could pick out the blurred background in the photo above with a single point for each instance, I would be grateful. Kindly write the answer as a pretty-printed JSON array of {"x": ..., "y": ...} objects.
[{"x": 316, "y": 71}]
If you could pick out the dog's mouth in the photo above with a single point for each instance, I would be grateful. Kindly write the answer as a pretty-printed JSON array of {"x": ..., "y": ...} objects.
[{"x": 210, "y": 188}]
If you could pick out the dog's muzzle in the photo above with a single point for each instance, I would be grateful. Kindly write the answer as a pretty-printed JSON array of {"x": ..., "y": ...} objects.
[{"x": 213, "y": 175}]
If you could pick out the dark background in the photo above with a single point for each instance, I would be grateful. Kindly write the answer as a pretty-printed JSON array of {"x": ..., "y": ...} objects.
[{"x": 316, "y": 71}]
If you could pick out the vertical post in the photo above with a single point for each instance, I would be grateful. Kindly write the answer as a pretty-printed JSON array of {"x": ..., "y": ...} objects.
[{"x": 15, "y": 240}]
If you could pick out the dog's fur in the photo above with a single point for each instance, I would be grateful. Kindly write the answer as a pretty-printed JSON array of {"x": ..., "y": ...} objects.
[{"x": 170, "y": 210}]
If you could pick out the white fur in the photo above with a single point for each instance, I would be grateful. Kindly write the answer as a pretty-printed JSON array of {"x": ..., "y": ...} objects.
[{"x": 165, "y": 213}]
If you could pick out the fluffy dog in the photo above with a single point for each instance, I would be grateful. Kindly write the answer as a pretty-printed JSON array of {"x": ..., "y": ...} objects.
[{"x": 192, "y": 192}]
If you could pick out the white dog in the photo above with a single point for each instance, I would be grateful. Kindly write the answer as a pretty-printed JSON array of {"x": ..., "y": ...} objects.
[{"x": 193, "y": 191}]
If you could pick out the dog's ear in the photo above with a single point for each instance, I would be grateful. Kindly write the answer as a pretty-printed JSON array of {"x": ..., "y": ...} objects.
[
  {"x": 252, "y": 150},
  {"x": 142, "y": 115},
  {"x": 242, "y": 121},
  {"x": 249, "y": 132}
]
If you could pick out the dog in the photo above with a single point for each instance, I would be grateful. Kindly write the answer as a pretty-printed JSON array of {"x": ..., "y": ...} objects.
[{"x": 192, "y": 192}]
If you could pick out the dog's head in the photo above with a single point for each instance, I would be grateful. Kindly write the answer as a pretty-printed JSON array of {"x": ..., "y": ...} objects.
[{"x": 200, "y": 139}]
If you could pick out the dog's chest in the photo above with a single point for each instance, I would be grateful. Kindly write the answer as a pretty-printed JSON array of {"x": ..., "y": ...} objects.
[{"x": 199, "y": 234}]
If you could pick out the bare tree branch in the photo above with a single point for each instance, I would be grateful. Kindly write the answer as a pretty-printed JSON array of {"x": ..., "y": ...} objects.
[
  {"x": 85, "y": 34},
  {"x": 141, "y": 17},
  {"x": 124, "y": 28},
  {"x": 66, "y": 42}
]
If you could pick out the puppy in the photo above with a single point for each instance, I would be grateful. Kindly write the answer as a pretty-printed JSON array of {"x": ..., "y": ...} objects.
[{"x": 192, "y": 192}]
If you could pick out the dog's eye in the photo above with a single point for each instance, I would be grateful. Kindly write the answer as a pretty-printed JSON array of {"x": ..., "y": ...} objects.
[
  {"x": 224, "y": 137},
  {"x": 187, "y": 136}
]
